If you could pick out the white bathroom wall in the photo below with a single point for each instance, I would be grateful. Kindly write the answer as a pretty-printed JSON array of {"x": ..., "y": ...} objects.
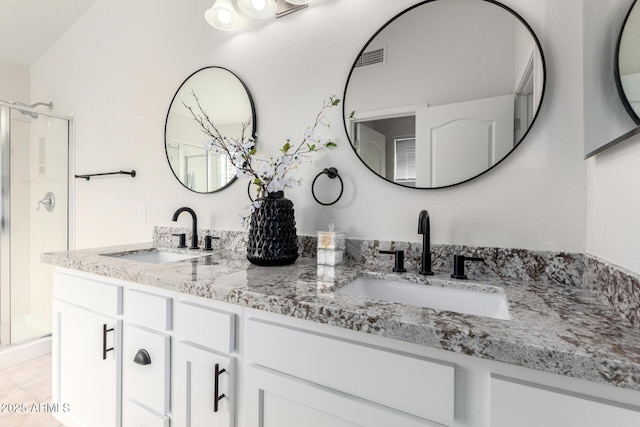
[
  {"x": 14, "y": 82},
  {"x": 613, "y": 231},
  {"x": 118, "y": 67}
]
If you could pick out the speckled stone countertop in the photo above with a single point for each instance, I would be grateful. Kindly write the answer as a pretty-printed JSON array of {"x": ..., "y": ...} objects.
[{"x": 556, "y": 328}]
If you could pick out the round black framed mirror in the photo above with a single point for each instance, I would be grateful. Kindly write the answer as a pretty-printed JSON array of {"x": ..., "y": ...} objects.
[
  {"x": 627, "y": 63},
  {"x": 228, "y": 103},
  {"x": 443, "y": 92}
]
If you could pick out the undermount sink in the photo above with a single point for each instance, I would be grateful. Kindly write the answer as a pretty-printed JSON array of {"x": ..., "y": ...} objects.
[
  {"x": 153, "y": 257},
  {"x": 476, "y": 302}
]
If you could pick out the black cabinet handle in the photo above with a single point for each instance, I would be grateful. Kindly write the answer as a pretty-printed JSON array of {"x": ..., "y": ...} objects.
[
  {"x": 142, "y": 357},
  {"x": 105, "y": 350},
  {"x": 217, "y": 398}
]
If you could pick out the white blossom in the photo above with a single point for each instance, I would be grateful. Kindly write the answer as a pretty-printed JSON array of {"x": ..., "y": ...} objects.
[
  {"x": 208, "y": 144},
  {"x": 309, "y": 135}
]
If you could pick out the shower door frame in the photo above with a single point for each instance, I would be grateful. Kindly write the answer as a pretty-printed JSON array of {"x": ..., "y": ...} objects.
[{"x": 5, "y": 209}]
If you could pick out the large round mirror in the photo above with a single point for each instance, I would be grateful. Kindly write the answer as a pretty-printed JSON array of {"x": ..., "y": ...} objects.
[
  {"x": 224, "y": 98},
  {"x": 627, "y": 64},
  {"x": 443, "y": 92}
]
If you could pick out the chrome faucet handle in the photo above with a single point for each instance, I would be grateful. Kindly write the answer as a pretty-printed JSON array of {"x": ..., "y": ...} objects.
[
  {"x": 399, "y": 260},
  {"x": 49, "y": 202}
]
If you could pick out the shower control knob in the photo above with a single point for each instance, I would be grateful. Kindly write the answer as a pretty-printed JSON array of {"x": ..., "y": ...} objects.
[{"x": 49, "y": 202}]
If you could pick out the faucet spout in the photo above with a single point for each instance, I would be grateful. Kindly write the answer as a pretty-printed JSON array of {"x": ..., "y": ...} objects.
[
  {"x": 194, "y": 225},
  {"x": 424, "y": 228},
  {"x": 423, "y": 222}
]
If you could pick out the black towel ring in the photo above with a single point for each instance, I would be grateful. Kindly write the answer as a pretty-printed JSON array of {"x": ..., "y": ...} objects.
[
  {"x": 331, "y": 173},
  {"x": 249, "y": 191}
]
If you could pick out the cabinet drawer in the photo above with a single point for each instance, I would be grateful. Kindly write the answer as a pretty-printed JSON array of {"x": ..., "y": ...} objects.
[
  {"x": 147, "y": 309},
  {"x": 93, "y": 294},
  {"x": 148, "y": 384},
  {"x": 205, "y": 326},
  {"x": 515, "y": 402},
  {"x": 418, "y": 386},
  {"x": 134, "y": 415}
]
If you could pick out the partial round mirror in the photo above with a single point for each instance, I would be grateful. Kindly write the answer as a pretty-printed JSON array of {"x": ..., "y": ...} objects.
[
  {"x": 443, "y": 92},
  {"x": 627, "y": 63},
  {"x": 224, "y": 98}
]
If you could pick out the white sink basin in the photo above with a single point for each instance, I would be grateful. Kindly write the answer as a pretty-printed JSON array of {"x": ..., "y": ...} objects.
[
  {"x": 154, "y": 257},
  {"x": 479, "y": 303}
]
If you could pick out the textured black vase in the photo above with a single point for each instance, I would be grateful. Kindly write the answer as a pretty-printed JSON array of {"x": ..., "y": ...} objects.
[{"x": 272, "y": 232}]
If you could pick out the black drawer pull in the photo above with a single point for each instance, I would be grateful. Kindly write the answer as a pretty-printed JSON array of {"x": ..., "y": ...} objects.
[
  {"x": 142, "y": 357},
  {"x": 104, "y": 341},
  {"x": 216, "y": 398}
]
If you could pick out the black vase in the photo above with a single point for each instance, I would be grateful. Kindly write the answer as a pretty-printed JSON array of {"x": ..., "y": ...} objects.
[{"x": 272, "y": 232}]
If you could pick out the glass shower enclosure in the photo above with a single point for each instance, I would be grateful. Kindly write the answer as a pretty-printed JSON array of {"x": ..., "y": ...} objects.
[{"x": 34, "y": 216}]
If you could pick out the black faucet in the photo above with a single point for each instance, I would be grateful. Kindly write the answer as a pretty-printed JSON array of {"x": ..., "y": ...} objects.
[
  {"x": 424, "y": 228},
  {"x": 194, "y": 232}
]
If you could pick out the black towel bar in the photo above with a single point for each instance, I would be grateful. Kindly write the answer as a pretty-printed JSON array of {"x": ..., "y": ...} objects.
[{"x": 88, "y": 176}]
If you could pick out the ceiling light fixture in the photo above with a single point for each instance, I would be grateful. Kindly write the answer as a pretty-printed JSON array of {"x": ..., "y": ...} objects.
[
  {"x": 223, "y": 16},
  {"x": 259, "y": 9}
]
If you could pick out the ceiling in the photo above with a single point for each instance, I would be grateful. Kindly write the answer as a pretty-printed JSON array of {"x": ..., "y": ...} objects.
[{"x": 29, "y": 27}]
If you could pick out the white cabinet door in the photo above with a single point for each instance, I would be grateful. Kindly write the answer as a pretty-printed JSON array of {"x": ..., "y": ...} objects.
[
  {"x": 204, "y": 388},
  {"x": 522, "y": 404},
  {"x": 87, "y": 362},
  {"x": 146, "y": 381},
  {"x": 277, "y": 400},
  {"x": 134, "y": 415}
]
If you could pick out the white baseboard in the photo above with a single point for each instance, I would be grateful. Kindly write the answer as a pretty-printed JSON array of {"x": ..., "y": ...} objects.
[{"x": 22, "y": 352}]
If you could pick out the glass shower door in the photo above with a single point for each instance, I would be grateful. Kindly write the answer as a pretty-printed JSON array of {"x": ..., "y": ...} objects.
[{"x": 34, "y": 198}]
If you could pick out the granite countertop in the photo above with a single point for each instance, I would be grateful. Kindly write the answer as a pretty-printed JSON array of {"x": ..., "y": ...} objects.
[{"x": 555, "y": 328}]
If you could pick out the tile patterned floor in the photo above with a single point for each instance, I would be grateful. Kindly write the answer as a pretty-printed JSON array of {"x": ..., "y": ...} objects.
[{"x": 24, "y": 389}]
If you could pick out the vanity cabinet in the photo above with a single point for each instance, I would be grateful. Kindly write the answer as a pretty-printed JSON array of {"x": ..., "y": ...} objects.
[
  {"x": 131, "y": 355},
  {"x": 86, "y": 351},
  {"x": 217, "y": 364}
]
